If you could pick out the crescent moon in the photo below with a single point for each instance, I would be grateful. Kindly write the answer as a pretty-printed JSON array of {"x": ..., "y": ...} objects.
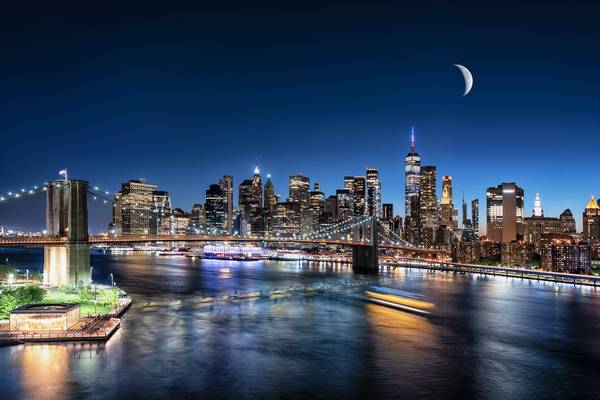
[{"x": 468, "y": 78}]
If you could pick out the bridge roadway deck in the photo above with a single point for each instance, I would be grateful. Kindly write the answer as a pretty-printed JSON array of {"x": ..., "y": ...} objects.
[{"x": 130, "y": 239}]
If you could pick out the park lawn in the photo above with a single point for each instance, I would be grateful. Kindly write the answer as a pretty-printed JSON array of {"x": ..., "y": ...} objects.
[
  {"x": 89, "y": 309},
  {"x": 86, "y": 307}
]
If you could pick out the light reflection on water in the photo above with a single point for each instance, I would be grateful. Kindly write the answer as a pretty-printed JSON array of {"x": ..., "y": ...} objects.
[{"x": 489, "y": 337}]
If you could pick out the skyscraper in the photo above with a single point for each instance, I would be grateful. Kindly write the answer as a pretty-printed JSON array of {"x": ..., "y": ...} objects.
[
  {"x": 387, "y": 217},
  {"x": 197, "y": 218},
  {"x": 428, "y": 205},
  {"x": 568, "y": 222},
  {"x": 214, "y": 207},
  {"x": 299, "y": 190},
  {"x": 447, "y": 202},
  {"x": 359, "y": 195},
  {"x": 160, "y": 212},
  {"x": 373, "y": 192},
  {"x": 538, "y": 226},
  {"x": 349, "y": 183},
  {"x": 134, "y": 208},
  {"x": 317, "y": 200},
  {"x": 504, "y": 212},
  {"x": 591, "y": 221},
  {"x": 465, "y": 220},
  {"x": 257, "y": 199},
  {"x": 388, "y": 211},
  {"x": 412, "y": 181},
  {"x": 270, "y": 198},
  {"x": 538, "y": 211},
  {"x": 250, "y": 199},
  {"x": 331, "y": 208},
  {"x": 343, "y": 203},
  {"x": 475, "y": 216},
  {"x": 227, "y": 188}
]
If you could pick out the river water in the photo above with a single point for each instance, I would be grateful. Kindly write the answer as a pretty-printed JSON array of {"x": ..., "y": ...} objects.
[{"x": 488, "y": 337}]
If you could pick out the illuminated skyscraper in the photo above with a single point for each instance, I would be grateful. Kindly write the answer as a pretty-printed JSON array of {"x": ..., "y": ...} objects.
[
  {"x": 331, "y": 208},
  {"x": 568, "y": 222},
  {"x": 257, "y": 199},
  {"x": 465, "y": 220},
  {"x": 250, "y": 198},
  {"x": 343, "y": 203},
  {"x": 317, "y": 200},
  {"x": 428, "y": 205},
  {"x": 505, "y": 212},
  {"x": 270, "y": 198},
  {"x": 214, "y": 207},
  {"x": 160, "y": 212},
  {"x": 349, "y": 183},
  {"x": 412, "y": 179},
  {"x": 447, "y": 202},
  {"x": 299, "y": 190},
  {"x": 388, "y": 211},
  {"x": 373, "y": 192},
  {"x": 475, "y": 216},
  {"x": 227, "y": 188},
  {"x": 359, "y": 195},
  {"x": 135, "y": 203},
  {"x": 538, "y": 211},
  {"x": 591, "y": 221},
  {"x": 197, "y": 218}
]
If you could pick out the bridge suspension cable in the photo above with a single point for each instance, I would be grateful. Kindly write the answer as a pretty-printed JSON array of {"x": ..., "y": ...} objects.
[
  {"x": 339, "y": 227},
  {"x": 23, "y": 192}
]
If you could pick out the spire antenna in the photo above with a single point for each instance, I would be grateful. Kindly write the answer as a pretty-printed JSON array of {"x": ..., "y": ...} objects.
[{"x": 412, "y": 140}]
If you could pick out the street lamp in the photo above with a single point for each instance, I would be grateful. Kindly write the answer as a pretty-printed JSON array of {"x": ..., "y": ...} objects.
[
  {"x": 112, "y": 280},
  {"x": 91, "y": 272}
]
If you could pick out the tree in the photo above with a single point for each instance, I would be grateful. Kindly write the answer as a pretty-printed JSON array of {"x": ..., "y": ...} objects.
[
  {"x": 29, "y": 294},
  {"x": 38, "y": 276},
  {"x": 8, "y": 302}
]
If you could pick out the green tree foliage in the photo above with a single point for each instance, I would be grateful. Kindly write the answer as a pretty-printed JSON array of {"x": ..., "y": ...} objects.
[
  {"x": 8, "y": 302},
  {"x": 29, "y": 294},
  {"x": 11, "y": 298},
  {"x": 38, "y": 276}
]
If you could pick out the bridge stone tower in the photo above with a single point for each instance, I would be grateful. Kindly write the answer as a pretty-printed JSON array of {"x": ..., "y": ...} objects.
[
  {"x": 67, "y": 217},
  {"x": 364, "y": 257},
  {"x": 66, "y": 210}
]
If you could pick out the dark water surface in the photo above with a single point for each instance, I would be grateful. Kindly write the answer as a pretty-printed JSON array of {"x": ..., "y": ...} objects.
[{"x": 489, "y": 337}]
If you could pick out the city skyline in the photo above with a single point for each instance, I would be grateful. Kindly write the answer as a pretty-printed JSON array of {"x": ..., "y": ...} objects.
[{"x": 101, "y": 214}]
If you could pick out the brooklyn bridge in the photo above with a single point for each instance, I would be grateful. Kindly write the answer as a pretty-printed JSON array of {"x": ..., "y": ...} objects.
[{"x": 67, "y": 236}]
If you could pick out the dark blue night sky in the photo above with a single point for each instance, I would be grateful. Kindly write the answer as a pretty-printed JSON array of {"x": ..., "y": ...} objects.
[{"x": 182, "y": 94}]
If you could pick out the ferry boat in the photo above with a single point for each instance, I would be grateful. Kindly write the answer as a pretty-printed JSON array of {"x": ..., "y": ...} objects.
[
  {"x": 238, "y": 253},
  {"x": 399, "y": 299}
]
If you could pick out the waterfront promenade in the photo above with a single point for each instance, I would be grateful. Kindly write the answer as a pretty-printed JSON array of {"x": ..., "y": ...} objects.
[{"x": 538, "y": 275}]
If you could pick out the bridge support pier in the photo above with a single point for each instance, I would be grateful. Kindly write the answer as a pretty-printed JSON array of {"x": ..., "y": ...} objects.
[{"x": 364, "y": 257}]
